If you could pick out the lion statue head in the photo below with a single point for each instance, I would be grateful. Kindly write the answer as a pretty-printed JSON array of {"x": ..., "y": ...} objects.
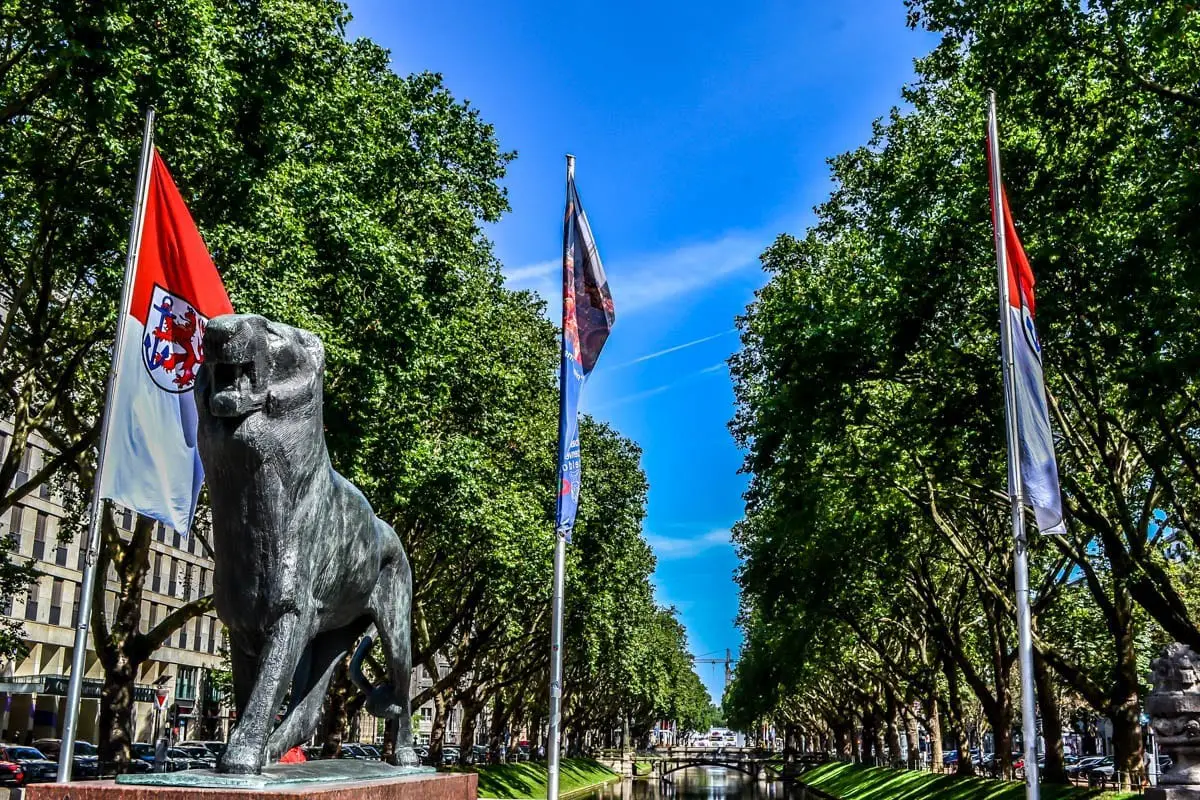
[{"x": 253, "y": 365}]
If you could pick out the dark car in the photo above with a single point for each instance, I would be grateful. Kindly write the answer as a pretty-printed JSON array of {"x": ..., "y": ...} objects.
[
  {"x": 365, "y": 751},
  {"x": 189, "y": 758},
  {"x": 449, "y": 755},
  {"x": 200, "y": 754},
  {"x": 144, "y": 752},
  {"x": 479, "y": 754},
  {"x": 35, "y": 765},
  {"x": 85, "y": 765},
  {"x": 312, "y": 753},
  {"x": 422, "y": 754},
  {"x": 11, "y": 774},
  {"x": 211, "y": 745},
  {"x": 350, "y": 750}
]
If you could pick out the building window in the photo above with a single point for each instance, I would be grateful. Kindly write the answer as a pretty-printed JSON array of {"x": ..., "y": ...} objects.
[
  {"x": 182, "y": 641},
  {"x": 60, "y": 554},
  {"x": 31, "y": 603},
  {"x": 185, "y": 683},
  {"x": 14, "y": 525},
  {"x": 197, "y": 637},
  {"x": 187, "y": 582},
  {"x": 192, "y": 544},
  {"x": 78, "y": 603},
  {"x": 39, "y": 536},
  {"x": 212, "y": 635},
  {"x": 175, "y": 542},
  {"x": 82, "y": 558},
  {"x": 162, "y": 533},
  {"x": 156, "y": 582},
  {"x": 127, "y": 519},
  {"x": 203, "y": 582},
  {"x": 171, "y": 582},
  {"x": 56, "y": 601},
  {"x": 153, "y": 614},
  {"x": 23, "y": 470}
]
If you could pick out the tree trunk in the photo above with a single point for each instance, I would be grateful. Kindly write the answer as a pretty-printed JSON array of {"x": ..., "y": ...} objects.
[
  {"x": 437, "y": 733},
  {"x": 1127, "y": 742},
  {"x": 116, "y": 715},
  {"x": 934, "y": 724},
  {"x": 466, "y": 739},
  {"x": 391, "y": 730},
  {"x": 843, "y": 733},
  {"x": 790, "y": 749},
  {"x": 912, "y": 735},
  {"x": 496, "y": 729},
  {"x": 1055, "y": 770},
  {"x": 958, "y": 727},
  {"x": 877, "y": 744},
  {"x": 333, "y": 715},
  {"x": 895, "y": 756}
]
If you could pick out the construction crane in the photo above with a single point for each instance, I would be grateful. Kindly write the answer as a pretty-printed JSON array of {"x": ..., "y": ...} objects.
[{"x": 727, "y": 661}]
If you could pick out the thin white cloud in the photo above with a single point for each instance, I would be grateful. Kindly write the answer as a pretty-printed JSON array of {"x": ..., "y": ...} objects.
[
  {"x": 674, "y": 349},
  {"x": 644, "y": 282},
  {"x": 532, "y": 272},
  {"x": 674, "y": 548},
  {"x": 642, "y": 395}
]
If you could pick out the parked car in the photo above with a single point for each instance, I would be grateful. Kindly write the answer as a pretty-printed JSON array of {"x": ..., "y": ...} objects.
[
  {"x": 144, "y": 752},
  {"x": 351, "y": 750},
  {"x": 11, "y": 774},
  {"x": 35, "y": 765},
  {"x": 199, "y": 754},
  {"x": 312, "y": 753},
  {"x": 189, "y": 759},
  {"x": 212, "y": 746},
  {"x": 1079, "y": 768},
  {"x": 366, "y": 751},
  {"x": 479, "y": 754},
  {"x": 449, "y": 755},
  {"x": 85, "y": 764},
  {"x": 422, "y": 754},
  {"x": 949, "y": 758}
]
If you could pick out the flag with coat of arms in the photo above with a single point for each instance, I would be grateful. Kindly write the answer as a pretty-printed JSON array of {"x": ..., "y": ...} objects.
[
  {"x": 588, "y": 317},
  {"x": 151, "y": 462}
]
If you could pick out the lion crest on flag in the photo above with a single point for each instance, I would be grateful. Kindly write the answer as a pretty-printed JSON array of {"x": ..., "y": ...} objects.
[{"x": 173, "y": 344}]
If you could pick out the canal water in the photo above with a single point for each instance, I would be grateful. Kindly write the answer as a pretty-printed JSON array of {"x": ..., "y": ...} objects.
[{"x": 709, "y": 783}]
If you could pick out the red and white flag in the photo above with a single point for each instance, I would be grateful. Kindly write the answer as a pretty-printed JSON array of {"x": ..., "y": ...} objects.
[
  {"x": 1039, "y": 468},
  {"x": 151, "y": 462}
]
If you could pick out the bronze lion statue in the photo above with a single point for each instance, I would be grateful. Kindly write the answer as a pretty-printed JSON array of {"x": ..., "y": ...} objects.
[{"x": 304, "y": 568}]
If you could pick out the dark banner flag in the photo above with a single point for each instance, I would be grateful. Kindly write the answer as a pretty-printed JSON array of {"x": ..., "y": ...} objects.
[
  {"x": 587, "y": 318},
  {"x": 1039, "y": 468}
]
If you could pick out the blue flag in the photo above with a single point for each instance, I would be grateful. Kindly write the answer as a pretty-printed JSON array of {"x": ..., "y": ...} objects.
[{"x": 588, "y": 317}]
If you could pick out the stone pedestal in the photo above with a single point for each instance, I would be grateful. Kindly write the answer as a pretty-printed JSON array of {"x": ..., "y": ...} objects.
[
  {"x": 445, "y": 786},
  {"x": 1172, "y": 793}
]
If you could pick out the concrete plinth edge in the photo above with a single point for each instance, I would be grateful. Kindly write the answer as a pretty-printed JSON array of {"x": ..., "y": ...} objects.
[
  {"x": 447, "y": 786},
  {"x": 1173, "y": 793}
]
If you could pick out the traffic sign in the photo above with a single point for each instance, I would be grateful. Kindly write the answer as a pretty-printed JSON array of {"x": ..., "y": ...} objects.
[{"x": 160, "y": 698}]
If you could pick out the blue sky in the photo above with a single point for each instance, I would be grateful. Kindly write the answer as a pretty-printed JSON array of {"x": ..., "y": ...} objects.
[{"x": 701, "y": 131}]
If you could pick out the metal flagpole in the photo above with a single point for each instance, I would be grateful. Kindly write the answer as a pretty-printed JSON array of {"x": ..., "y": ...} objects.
[
  {"x": 78, "y": 655},
  {"x": 1016, "y": 488},
  {"x": 556, "y": 624}
]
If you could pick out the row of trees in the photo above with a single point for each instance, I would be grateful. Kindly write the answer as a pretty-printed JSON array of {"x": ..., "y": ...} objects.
[
  {"x": 342, "y": 198},
  {"x": 876, "y": 580}
]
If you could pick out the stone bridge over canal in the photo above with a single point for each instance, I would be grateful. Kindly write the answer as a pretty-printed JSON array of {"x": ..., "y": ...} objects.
[{"x": 665, "y": 763}]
